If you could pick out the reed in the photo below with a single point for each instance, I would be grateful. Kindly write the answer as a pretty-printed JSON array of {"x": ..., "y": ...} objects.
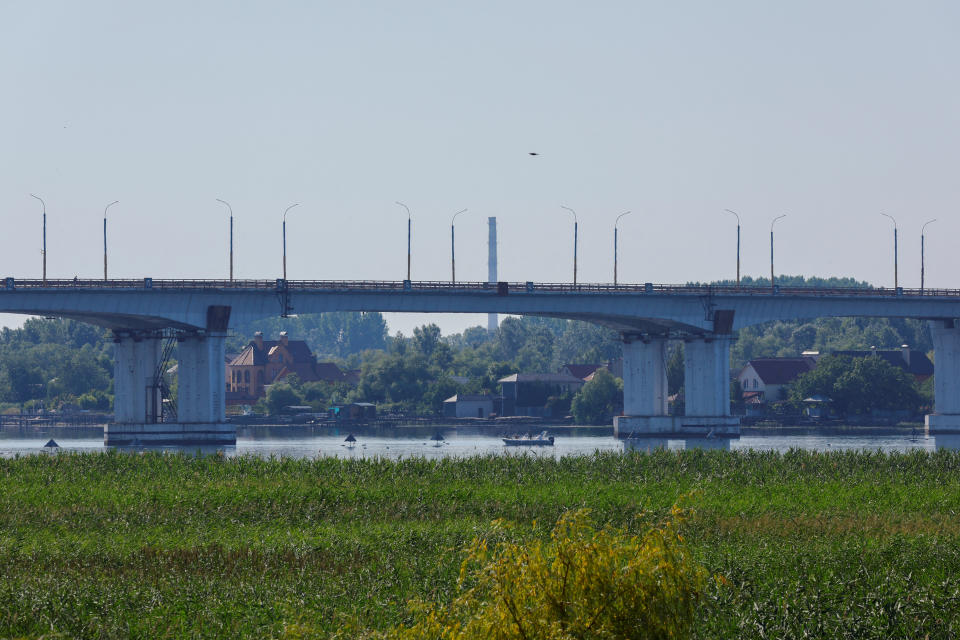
[{"x": 119, "y": 545}]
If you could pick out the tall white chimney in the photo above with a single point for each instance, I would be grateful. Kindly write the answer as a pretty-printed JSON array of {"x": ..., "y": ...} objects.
[{"x": 492, "y": 267}]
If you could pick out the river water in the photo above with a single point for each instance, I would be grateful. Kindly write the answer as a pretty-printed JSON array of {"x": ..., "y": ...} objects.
[{"x": 307, "y": 442}]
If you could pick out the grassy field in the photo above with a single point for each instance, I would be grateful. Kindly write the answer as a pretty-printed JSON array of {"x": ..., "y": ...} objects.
[{"x": 841, "y": 545}]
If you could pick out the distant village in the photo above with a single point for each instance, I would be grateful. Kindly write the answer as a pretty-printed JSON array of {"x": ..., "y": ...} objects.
[{"x": 760, "y": 389}]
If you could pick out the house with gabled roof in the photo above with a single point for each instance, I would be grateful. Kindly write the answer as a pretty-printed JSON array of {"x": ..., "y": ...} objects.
[
  {"x": 765, "y": 380},
  {"x": 265, "y": 362},
  {"x": 914, "y": 362},
  {"x": 527, "y": 394}
]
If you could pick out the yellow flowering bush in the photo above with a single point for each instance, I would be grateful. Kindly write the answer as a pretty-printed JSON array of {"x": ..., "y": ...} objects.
[{"x": 582, "y": 583}]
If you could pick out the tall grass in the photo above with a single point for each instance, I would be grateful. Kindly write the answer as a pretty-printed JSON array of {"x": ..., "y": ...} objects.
[{"x": 116, "y": 545}]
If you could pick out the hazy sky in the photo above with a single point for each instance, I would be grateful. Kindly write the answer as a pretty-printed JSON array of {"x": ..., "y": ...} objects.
[{"x": 828, "y": 111}]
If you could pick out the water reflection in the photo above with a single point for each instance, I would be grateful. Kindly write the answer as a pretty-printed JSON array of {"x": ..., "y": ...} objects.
[{"x": 310, "y": 443}]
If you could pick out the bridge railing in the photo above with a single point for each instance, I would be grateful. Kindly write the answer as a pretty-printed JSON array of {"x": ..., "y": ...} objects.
[{"x": 494, "y": 288}]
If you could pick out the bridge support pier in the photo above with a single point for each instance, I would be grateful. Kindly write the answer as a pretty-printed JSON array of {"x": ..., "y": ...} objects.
[
  {"x": 706, "y": 383},
  {"x": 946, "y": 379},
  {"x": 136, "y": 397},
  {"x": 201, "y": 392}
]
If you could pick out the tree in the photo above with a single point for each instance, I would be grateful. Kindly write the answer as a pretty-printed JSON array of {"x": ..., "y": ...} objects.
[
  {"x": 280, "y": 396},
  {"x": 858, "y": 385},
  {"x": 675, "y": 369},
  {"x": 426, "y": 339},
  {"x": 599, "y": 399}
]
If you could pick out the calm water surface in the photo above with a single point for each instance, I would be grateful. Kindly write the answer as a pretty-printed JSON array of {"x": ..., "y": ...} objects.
[{"x": 307, "y": 443}]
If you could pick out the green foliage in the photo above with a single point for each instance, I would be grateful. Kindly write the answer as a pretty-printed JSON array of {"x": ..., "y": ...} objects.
[
  {"x": 791, "y": 338},
  {"x": 598, "y": 399},
  {"x": 583, "y": 582},
  {"x": 675, "y": 368},
  {"x": 330, "y": 335},
  {"x": 112, "y": 545},
  {"x": 858, "y": 385},
  {"x": 281, "y": 395},
  {"x": 54, "y": 361}
]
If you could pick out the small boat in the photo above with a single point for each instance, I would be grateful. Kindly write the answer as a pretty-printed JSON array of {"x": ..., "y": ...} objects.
[
  {"x": 437, "y": 439},
  {"x": 351, "y": 441},
  {"x": 541, "y": 440}
]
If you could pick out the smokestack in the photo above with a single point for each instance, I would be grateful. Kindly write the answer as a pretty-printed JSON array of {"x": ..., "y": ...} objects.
[{"x": 492, "y": 267}]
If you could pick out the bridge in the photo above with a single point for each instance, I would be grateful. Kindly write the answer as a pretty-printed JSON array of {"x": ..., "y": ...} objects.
[{"x": 148, "y": 316}]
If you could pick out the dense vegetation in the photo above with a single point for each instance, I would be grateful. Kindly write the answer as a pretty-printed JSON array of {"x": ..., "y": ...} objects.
[
  {"x": 860, "y": 385},
  {"x": 851, "y": 545},
  {"x": 56, "y": 362}
]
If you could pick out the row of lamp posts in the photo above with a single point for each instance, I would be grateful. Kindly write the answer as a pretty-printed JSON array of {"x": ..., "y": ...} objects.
[{"x": 453, "y": 262}]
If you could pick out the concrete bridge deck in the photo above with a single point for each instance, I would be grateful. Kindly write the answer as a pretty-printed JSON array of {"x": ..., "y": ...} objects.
[
  {"x": 628, "y": 308},
  {"x": 143, "y": 312}
]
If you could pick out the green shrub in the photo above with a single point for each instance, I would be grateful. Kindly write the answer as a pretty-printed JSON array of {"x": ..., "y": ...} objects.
[{"x": 582, "y": 583}]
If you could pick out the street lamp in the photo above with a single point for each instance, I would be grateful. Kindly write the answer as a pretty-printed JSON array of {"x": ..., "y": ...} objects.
[
  {"x": 285, "y": 239},
  {"x": 43, "y": 252},
  {"x": 738, "y": 242},
  {"x": 408, "y": 235},
  {"x": 105, "y": 238},
  {"x": 574, "y": 243},
  {"x": 772, "y": 286},
  {"x": 922, "y": 229},
  {"x": 231, "y": 237},
  {"x": 453, "y": 257},
  {"x": 895, "y": 281},
  {"x": 615, "y": 246}
]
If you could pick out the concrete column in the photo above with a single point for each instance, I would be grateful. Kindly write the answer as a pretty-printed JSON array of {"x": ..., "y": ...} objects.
[
  {"x": 136, "y": 357},
  {"x": 201, "y": 391},
  {"x": 187, "y": 373},
  {"x": 706, "y": 378},
  {"x": 124, "y": 365},
  {"x": 644, "y": 389},
  {"x": 147, "y": 357},
  {"x": 946, "y": 378},
  {"x": 645, "y": 377}
]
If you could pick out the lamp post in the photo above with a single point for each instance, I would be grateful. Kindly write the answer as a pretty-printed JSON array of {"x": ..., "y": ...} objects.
[
  {"x": 453, "y": 257},
  {"x": 105, "y": 238},
  {"x": 772, "y": 285},
  {"x": 231, "y": 237},
  {"x": 615, "y": 245},
  {"x": 285, "y": 239},
  {"x": 574, "y": 243},
  {"x": 43, "y": 252},
  {"x": 922, "y": 229},
  {"x": 738, "y": 242},
  {"x": 408, "y": 236},
  {"x": 895, "y": 280}
]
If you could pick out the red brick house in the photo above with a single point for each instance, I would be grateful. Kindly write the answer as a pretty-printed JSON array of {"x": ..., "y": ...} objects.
[{"x": 264, "y": 362}]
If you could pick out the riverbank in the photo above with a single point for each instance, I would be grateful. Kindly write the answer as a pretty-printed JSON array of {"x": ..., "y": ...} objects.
[{"x": 120, "y": 545}]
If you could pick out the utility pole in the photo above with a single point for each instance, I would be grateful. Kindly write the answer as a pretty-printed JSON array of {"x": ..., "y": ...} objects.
[
  {"x": 615, "y": 246},
  {"x": 231, "y": 237},
  {"x": 574, "y": 243},
  {"x": 738, "y": 242},
  {"x": 773, "y": 287},
  {"x": 43, "y": 251}
]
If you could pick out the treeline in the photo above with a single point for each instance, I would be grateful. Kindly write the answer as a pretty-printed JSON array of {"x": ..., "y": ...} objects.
[
  {"x": 55, "y": 363},
  {"x": 417, "y": 373}
]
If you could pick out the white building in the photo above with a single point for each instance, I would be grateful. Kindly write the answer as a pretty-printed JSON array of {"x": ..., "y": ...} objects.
[
  {"x": 465, "y": 405},
  {"x": 765, "y": 380}
]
